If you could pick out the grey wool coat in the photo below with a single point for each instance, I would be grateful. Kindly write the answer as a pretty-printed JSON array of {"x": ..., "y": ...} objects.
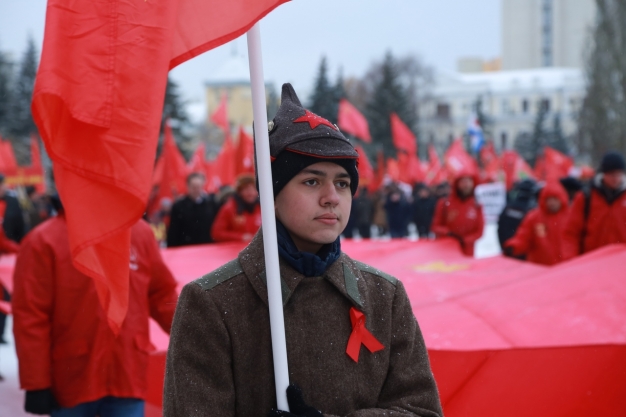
[{"x": 219, "y": 361}]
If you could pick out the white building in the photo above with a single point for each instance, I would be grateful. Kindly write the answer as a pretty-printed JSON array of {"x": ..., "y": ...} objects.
[
  {"x": 510, "y": 98},
  {"x": 545, "y": 33}
]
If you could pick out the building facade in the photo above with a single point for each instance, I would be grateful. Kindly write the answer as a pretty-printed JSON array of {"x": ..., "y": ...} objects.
[
  {"x": 510, "y": 99},
  {"x": 545, "y": 33}
]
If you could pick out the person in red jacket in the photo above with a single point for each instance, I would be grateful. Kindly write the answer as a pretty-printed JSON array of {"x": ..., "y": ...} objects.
[
  {"x": 70, "y": 361},
  {"x": 598, "y": 216},
  {"x": 459, "y": 215},
  {"x": 240, "y": 217},
  {"x": 540, "y": 234}
]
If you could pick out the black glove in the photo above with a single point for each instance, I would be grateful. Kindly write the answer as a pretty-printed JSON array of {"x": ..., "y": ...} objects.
[
  {"x": 296, "y": 404},
  {"x": 41, "y": 401}
]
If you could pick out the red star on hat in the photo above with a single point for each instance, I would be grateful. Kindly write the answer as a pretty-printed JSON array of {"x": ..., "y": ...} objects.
[{"x": 314, "y": 120}]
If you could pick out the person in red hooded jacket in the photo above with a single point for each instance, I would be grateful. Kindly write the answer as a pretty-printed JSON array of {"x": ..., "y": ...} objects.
[
  {"x": 598, "y": 215},
  {"x": 539, "y": 237},
  {"x": 240, "y": 217},
  {"x": 70, "y": 361},
  {"x": 459, "y": 215}
]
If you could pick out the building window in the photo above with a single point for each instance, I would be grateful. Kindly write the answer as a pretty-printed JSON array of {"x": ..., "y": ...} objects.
[
  {"x": 546, "y": 38},
  {"x": 503, "y": 141},
  {"x": 524, "y": 106},
  {"x": 545, "y": 104},
  {"x": 443, "y": 111}
]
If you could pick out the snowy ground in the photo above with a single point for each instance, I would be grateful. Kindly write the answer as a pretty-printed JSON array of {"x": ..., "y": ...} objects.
[{"x": 12, "y": 398}]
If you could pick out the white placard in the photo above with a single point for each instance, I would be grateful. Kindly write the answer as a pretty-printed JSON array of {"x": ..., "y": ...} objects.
[{"x": 492, "y": 198}]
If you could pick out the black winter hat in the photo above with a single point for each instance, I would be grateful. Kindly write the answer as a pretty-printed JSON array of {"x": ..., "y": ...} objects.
[
  {"x": 612, "y": 161},
  {"x": 299, "y": 138}
]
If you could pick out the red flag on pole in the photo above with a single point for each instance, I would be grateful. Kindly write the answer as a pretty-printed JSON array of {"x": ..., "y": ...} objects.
[
  {"x": 515, "y": 168},
  {"x": 366, "y": 171},
  {"x": 197, "y": 162},
  {"x": 35, "y": 170},
  {"x": 8, "y": 163},
  {"x": 220, "y": 116},
  {"x": 457, "y": 159},
  {"x": 174, "y": 168},
  {"x": 244, "y": 155},
  {"x": 98, "y": 100},
  {"x": 403, "y": 138},
  {"x": 225, "y": 163},
  {"x": 352, "y": 121},
  {"x": 557, "y": 164}
]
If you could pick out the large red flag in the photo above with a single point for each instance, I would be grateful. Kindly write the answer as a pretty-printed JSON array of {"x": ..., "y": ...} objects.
[
  {"x": 220, "y": 115},
  {"x": 98, "y": 101},
  {"x": 366, "y": 171},
  {"x": 352, "y": 121},
  {"x": 244, "y": 154},
  {"x": 403, "y": 138}
]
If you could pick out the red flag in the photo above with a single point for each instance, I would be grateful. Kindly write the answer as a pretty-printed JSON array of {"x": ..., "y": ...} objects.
[
  {"x": 98, "y": 101},
  {"x": 410, "y": 168},
  {"x": 403, "y": 138},
  {"x": 244, "y": 155},
  {"x": 393, "y": 169},
  {"x": 379, "y": 176},
  {"x": 197, "y": 162},
  {"x": 490, "y": 162},
  {"x": 557, "y": 165},
  {"x": 220, "y": 116},
  {"x": 8, "y": 163},
  {"x": 366, "y": 171},
  {"x": 433, "y": 173},
  {"x": 457, "y": 160},
  {"x": 225, "y": 163},
  {"x": 515, "y": 168},
  {"x": 35, "y": 170},
  {"x": 175, "y": 169},
  {"x": 352, "y": 121}
]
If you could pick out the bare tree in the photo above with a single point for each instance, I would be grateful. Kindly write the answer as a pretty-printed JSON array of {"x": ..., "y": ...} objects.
[{"x": 602, "y": 124}]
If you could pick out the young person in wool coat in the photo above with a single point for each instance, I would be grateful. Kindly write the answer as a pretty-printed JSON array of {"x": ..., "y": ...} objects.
[{"x": 219, "y": 360}]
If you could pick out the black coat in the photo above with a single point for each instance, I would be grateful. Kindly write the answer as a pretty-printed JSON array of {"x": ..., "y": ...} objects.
[
  {"x": 13, "y": 223},
  {"x": 423, "y": 212},
  {"x": 190, "y": 221}
]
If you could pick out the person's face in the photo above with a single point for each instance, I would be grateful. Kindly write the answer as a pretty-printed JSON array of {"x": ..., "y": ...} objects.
[
  {"x": 613, "y": 179},
  {"x": 466, "y": 185},
  {"x": 423, "y": 193},
  {"x": 2, "y": 189},
  {"x": 249, "y": 194},
  {"x": 315, "y": 205},
  {"x": 553, "y": 204},
  {"x": 194, "y": 187}
]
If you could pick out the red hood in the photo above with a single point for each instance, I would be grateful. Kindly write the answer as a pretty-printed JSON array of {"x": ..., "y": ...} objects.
[
  {"x": 553, "y": 189},
  {"x": 464, "y": 173}
]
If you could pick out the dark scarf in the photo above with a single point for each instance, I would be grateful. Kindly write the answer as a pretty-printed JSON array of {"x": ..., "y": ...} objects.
[{"x": 308, "y": 264}]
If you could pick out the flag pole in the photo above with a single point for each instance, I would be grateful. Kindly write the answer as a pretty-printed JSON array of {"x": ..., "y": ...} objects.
[{"x": 264, "y": 170}]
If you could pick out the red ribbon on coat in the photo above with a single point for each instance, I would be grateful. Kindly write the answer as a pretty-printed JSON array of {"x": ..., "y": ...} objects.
[{"x": 360, "y": 335}]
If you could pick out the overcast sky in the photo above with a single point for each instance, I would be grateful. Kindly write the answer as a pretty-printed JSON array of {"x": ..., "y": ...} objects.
[{"x": 350, "y": 33}]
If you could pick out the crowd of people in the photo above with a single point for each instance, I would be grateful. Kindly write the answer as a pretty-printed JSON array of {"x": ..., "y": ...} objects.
[{"x": 60, "y": 350}]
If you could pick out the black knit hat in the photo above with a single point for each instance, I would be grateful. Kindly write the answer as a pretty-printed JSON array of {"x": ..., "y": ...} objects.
[
  {"x": 299, "y": 138},
  {"x": 612, "y": 161}
]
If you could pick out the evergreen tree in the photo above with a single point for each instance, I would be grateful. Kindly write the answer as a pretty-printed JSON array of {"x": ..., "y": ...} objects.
[
  {"x": 6, "y": 74},
  {"x": 388, "y": 96},
  {"x": 174, "y": 111},
  {"x": 322, "y": 100},
  {"x": 21, "y": 123},
  {"x": 556, "y": 138},
  {"x": 530, "y": 146},
  {"x": 339, "y": 92}
]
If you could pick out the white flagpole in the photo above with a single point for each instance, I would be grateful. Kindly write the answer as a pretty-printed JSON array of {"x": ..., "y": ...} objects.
[{"x": 264, "y": 170}]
